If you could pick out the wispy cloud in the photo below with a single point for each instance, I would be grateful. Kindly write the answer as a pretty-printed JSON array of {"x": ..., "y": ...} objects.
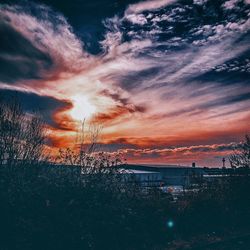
[
  {"x": 180, "y": 155},
  {"x": 162, "y": 64},
  {"x": 148, "y": 5}
]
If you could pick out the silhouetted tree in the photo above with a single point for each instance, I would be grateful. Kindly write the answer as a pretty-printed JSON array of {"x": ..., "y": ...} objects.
[
  {"x": 241, "y": 155},
  {"x": 86, "y": 154},
  {"x": 22, "y": 135}
]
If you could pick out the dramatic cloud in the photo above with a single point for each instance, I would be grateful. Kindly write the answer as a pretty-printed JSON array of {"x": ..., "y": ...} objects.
[
  {"x": 40, "y": 46},
  {"x": 47, "y": 106},
  {"x": 159, "y": 53}
]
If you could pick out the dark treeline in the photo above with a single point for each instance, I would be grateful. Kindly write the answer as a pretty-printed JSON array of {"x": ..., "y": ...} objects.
[{"x": 89, "y": 206}]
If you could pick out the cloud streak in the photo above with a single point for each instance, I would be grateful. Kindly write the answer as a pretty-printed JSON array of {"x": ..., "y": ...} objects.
[{"x": 148, "y": 5}]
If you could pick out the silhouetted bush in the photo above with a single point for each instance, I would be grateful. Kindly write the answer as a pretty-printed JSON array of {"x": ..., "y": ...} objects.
[{"x": 41, "y": 213}]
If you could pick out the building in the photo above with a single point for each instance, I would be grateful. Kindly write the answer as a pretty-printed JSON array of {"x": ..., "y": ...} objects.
[
  {"x": 167, "y": 175},
  {"x": 179, "y": 176}
]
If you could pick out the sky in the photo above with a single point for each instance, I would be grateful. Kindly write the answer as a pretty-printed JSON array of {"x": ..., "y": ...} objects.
[{"x": 168, "y": 81}]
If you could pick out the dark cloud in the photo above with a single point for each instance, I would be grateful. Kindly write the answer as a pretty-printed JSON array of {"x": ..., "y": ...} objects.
[
  {"x": 231, "y": 100},
  {"x": 119, "y": 111},
  {"x": 132, "y": 79},
  {"x": 47, "y": 106},
  {"x": 115, "y": 96},
  {"x": 231, "y": 72},
  {"x": 124, "y": 107},
  {"x": 195, "y": 110},
  {"x": 125, "y": 102},
  {"x": 19, "y": 58}
]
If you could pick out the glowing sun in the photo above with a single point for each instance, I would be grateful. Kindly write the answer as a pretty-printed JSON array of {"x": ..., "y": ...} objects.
[{"x": 82, "y": 108}]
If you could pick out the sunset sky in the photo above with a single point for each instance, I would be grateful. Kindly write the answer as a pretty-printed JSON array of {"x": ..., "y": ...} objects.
[{"x": 169, "y": 81}]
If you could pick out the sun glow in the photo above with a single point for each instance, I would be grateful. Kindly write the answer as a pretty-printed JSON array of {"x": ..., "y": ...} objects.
[{"x": 82, "y": 108}]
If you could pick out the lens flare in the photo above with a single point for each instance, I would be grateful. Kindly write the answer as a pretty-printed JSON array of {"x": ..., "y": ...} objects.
[{"x": 170, "y": 224}]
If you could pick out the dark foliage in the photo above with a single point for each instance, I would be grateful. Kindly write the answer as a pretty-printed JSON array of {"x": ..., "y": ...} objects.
[
  {"x": 40, "y": 210},
  {"x": 241, "y": 156},
  {"x": 22, "y": 135},
  {"x": 51, "y": 207}
]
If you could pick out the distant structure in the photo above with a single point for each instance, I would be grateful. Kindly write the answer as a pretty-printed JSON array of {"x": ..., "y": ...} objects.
[
  {"x": 160, "y": 176},
  {"x": 223, "y": 162},
  {"x": 193, "y": 165},
  {"x": 169, "y": 178}
]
